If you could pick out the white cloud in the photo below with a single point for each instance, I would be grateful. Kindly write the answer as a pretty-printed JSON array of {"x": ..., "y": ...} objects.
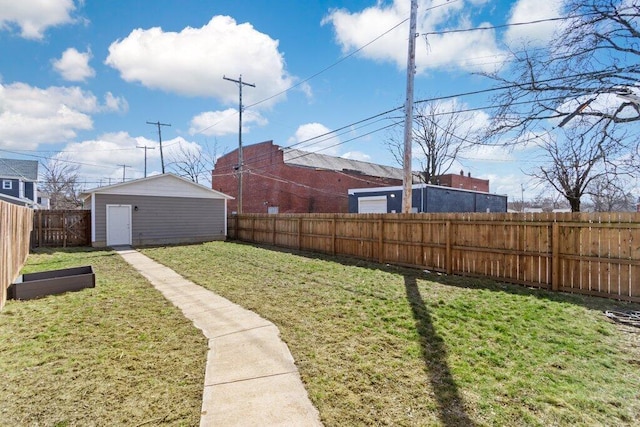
[
  {"x": 533, "y": 10},
  {"x": 308, "y": 137},
  {"x": 515, "y": 186},
  {"x": 193, "y": 61},
  {"x": 34, "y": 17},
  {"x": 101, "y": 159},
  {"x": 353, "y": 30},
  {"x": 115, "y": 103},
  {"x": 74, "y": 66},
  {"x": 30, "y": 116},
  {"x": 219, "y": 123}
]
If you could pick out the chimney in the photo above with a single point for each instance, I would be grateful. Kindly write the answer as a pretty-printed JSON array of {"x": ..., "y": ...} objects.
[{"x": 461, "y": 172}]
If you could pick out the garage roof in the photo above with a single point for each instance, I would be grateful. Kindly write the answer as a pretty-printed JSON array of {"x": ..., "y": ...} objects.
[{"x": 165, "y": 185}]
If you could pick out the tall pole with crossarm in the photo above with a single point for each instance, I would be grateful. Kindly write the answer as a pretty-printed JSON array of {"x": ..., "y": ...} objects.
[
  {"x": 240, "y": 160},
  {"x": 407, "y": 179},
  {"x": 160, "y": 139}
]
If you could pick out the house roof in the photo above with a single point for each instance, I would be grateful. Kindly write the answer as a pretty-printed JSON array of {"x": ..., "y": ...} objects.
[
  {"x": 322, "y": 161},
  {"x": 16, "y": 200},
  {"x": 26, "y": 170},
  {"x": 165, "y": 185}
]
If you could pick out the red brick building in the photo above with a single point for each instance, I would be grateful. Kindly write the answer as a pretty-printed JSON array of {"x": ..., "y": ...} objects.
[
  {"x": 463, "y": 182},
  {"x": 284, "y": 180}
]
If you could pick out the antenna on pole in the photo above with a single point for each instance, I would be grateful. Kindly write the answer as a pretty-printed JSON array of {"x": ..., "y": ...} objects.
[
  {"x": 240, "y": 160},
  {"x": 159, "y": 139},
  {"x": 407, "y": 180},
  {"x": 145, "y": 157}
]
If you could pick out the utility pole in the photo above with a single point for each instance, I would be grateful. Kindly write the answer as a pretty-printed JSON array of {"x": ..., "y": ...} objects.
[
  {"x": 124, "y": 168},
  {"x": 407, "y": 180},
  {"x": 240, "y": 160},
  {"x": 145, "y": 157},
  {"x": 159, "y": 139}
]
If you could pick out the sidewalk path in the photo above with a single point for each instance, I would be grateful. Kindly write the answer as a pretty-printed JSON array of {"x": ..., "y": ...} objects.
[{"x": 251, "y": 378}]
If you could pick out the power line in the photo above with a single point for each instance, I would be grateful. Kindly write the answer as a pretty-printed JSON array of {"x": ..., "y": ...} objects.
[
  {"x": 52, "y": 157},
  {"x": 513, "y": 24},
  {"x": 339, "y": 61}
]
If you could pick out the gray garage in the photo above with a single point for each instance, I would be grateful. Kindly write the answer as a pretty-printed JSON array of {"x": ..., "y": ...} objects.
[{"x": 161, "y": 209}]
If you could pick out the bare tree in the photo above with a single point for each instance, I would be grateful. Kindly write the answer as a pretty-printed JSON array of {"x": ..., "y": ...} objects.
[
  {"x": 575, "y": 161},
  {"x": 580, "y": 72},
  {"x": 439, "y": 136},
  {"x": 608, "y": 196},
  {"x": 586, "y": 79},
  {"x": 194, "y": 163},
  {"x": 60, "y": 182}
]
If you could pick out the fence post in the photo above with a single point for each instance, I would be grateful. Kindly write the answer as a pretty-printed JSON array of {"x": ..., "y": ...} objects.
[
  {"x": 64, "y": 229},
  {"x": 448, "y": 261},
  {"x": 555, "y": 256},
  {"x": 237, "y": 236},
  {"x": 381, "y": 240},
  {"x": 40, "y": 219},
  {"x": 299, "y": 233},
  {"x": 273, "y": 236},
  {"x": 253, "y": 228},
  {"x": 333, "y": 235}
]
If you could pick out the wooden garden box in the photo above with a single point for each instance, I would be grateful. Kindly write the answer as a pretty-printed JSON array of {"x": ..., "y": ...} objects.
[{"x": 34, "y": 285}]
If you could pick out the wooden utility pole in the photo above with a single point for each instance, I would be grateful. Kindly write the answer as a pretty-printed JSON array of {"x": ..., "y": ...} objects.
[
  {"x": 240, "y": 159},
  {"x": 124, "y": 169},
  {"x": 407, "y": 180},
  {"x": 145, "y": 157},
  {"x": 160, "y": 139}
]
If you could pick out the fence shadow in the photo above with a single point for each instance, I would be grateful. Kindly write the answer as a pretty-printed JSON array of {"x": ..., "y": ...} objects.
[
  {"x": 587, "y": 301},
  {"x": 451, "y": 406}
]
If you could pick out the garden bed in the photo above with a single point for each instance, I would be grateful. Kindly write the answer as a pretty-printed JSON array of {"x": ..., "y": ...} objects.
[{"x": 35, "y": 285}]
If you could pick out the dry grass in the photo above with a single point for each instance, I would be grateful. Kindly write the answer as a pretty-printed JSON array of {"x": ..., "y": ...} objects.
[
  {"x": 118, "y": 354},
  {"x": 380, "y": 345}
]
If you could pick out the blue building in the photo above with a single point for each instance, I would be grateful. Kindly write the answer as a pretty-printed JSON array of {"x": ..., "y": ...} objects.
[
  {"x": 18, "y": 181},
  {"x": 425, "y": 198}
]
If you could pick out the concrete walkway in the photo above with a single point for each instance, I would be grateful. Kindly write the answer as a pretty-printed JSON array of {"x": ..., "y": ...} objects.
[{"x": 251, "y": 378}]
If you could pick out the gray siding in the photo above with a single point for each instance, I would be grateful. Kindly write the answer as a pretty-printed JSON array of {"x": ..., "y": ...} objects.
[{"x": 164, "y": 220}]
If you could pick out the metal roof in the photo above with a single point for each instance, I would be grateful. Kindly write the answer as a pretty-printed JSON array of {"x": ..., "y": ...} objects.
[
  {"x": 322, "y": 161},
  {"x": 26, "y": 170}
]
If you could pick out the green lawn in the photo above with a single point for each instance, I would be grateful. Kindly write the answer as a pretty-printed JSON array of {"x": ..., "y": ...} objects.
[
  {"x": 118, "y": 354},
  {"x": 381, "y": 345}
]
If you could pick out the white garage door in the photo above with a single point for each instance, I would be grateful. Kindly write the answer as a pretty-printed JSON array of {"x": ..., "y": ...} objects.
[
  {"x": 373, "y": 204},
  {"x": 118, "y": 225}
]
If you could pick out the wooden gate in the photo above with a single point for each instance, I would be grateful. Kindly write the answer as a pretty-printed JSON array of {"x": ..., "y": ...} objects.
[{"x": 64, "y": 228}]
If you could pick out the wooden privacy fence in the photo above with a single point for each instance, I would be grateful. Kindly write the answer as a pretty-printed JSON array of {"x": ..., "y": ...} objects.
[
  {"x": 61, "y": 228},
  {"x": 15, "y": 229},
  {"x": 594, "y": 254}
]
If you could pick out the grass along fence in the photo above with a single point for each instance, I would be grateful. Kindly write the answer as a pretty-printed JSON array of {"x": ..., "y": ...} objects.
[
  {"x": 594, "y": 254},
  {"x": 15, "y": 230},
  {"x": 61, "y": 228}
]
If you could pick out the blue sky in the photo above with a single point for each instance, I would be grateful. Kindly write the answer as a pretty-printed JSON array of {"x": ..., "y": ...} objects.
[{"x": 80, "y": 79}]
